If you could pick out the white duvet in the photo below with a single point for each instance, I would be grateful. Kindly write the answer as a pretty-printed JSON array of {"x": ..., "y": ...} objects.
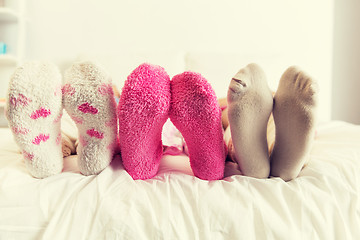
[{"x": 322, "y": 203}]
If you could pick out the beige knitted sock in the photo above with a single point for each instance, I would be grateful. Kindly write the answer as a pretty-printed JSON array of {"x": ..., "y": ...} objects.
[
  {"x": 294, "y": 114},
  {"x": 250, "y": 105}
]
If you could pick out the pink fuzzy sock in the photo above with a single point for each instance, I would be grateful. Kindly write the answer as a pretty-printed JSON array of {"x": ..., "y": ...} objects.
[
  {"x": 196, "y": 113},
  {"x": 89, "y": 99},
  {"x": 34, "y": 110},
  {"x": 142, "y": 111}
]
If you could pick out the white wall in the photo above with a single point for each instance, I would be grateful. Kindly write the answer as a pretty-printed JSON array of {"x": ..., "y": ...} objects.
[
  {"x": 346, "y": 67},
  {"x": 278, "y": 32}
]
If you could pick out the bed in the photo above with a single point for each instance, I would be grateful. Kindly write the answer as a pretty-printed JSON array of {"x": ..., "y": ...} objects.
[{"x": 322, "y": 203}]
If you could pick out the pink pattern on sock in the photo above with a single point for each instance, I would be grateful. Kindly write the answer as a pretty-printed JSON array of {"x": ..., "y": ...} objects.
[
  {"x": 42, "y": 112},
  {"x": 82, "y": 141},
  {"x": 87, "y": 108},
  {"x": 111, "y": 122},
  {"x": 20, "y": 100},
  {"x": 93, "y": 133},
  {"x": 58, "y": 139},
  {"x": 68, "y": 89},
  {"x": 28, "y": 156},
  {"x": 58, "y": 118},
  {"x": 77, "y": 120},
  {"x": 105, "y": 89},
  {"x": 40, "y": 138},
  {"x": 20, "y": 130}
]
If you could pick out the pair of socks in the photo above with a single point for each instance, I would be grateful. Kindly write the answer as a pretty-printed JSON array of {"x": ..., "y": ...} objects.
[
  {"x": 148, "y": 99},
  {"x": 35, "y": 103},
  {"x": 250, "y": 104}
]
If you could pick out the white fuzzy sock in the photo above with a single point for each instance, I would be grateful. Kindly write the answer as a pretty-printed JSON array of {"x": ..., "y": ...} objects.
[
  {"x": 295, "y": 103},
  {"x": 34, "y": 111},
  {"x": 89, "y": 99},
  {"x": 250, "y": 104}
]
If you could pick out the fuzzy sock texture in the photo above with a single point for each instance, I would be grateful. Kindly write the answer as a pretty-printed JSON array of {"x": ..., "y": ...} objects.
[
  {"x": 294, "y": 113},
  {"x": 143, "y": 109},
  {"x": 196, "y": 113},
  {"x": 89, "y": 99},
  {"x": 250, "y": 103},
  {"x": 34, "y": 110}
]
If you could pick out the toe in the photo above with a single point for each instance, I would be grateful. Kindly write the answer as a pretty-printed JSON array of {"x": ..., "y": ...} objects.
[
  {"x": 297, "y": 81},
  {"x": 306, "y": 88}
]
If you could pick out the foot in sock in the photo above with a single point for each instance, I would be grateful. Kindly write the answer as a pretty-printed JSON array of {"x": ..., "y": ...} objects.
[
  {"x": 250, "y": 103},
  {"x": 34, "y": 110},
  {"x": 89, "y": 100},
  {"x": 196, "y": 113},
  {"x": 142, "y": 111},
  {"x": 295, "y": 104}
]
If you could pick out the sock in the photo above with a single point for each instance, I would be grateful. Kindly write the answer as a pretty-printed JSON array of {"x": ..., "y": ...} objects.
[
  {"x": 34, "y": 110},
  {"x": 143, "y": 109},
  {"x": 196, "y": 113},
  {"x": 250, "y": 105},
  {"x": 295, "y": 103},
  {"x": 89, "y": 100}
]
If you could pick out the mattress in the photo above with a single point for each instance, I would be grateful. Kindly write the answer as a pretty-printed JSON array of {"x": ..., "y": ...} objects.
[{"x": 322, "y": 203}]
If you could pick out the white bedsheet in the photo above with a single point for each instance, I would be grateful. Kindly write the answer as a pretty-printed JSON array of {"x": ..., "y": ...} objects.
[{"x": 322, "y": 203}]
